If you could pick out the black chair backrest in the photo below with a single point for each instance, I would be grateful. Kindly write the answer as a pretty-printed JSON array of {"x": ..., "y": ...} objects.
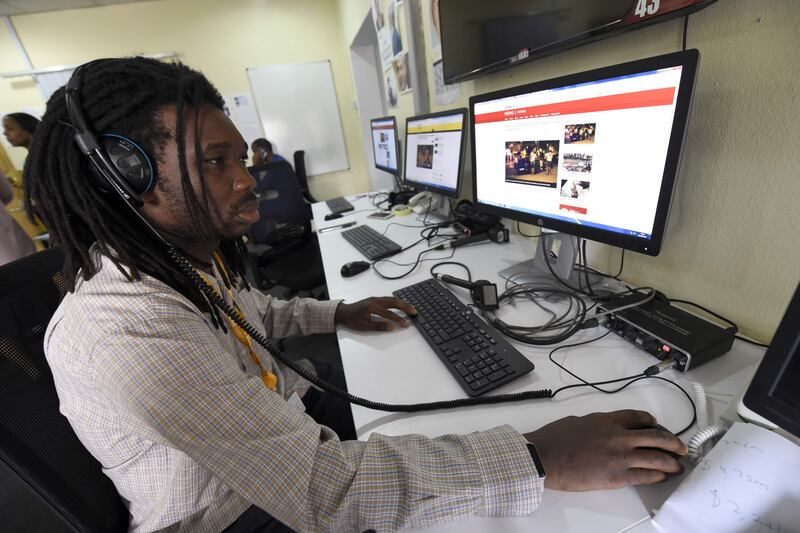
[
  {"x": 36, "y": 440},
  {"x": 280, "y": 200},
  {"x": 302, "y": 177}
]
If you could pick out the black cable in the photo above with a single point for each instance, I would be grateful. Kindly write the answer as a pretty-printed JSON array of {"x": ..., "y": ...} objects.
[
  {"x": 633, "y": 379},
  {"x": 455, "y": 263},
  {"x": 412, "y": 265},
  {"x": 685, "y": 30},
  {"x": 709, "y": 311},
  {"x": 532, "y": 334},
  {"x": 586, "y": 269}
]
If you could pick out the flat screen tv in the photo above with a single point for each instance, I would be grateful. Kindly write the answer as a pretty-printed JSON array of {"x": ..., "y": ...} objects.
[{"x": 480, "y": 36}]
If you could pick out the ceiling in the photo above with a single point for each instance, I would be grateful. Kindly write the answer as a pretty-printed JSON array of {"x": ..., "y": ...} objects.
[{"x": 21, "y": 7}]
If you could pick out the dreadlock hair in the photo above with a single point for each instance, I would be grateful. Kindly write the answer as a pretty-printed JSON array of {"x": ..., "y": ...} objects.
[
  {"x": 123, "y": 96},
  {"x": 26, "y": 122}
]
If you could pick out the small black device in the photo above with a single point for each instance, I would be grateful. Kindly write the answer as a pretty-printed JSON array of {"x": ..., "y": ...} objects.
[
  {"x": 774, "y": 392},
  {"x": 332, "y": 216},
  {"x": 354, "y": 267},
  {"x": 338, "y": 205},
  {"x": 370, "y": 243},
  {"x": 474, "y": 352},
  {"x": 381, "y": 215},
  {"x": 663, "y": 330}
]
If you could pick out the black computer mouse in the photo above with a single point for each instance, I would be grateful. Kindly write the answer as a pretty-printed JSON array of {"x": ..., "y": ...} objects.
[{"x": 354, "y": 267}]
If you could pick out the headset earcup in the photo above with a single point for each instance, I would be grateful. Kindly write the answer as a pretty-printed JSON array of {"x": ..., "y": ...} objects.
[{"x": 130, "y": 161}]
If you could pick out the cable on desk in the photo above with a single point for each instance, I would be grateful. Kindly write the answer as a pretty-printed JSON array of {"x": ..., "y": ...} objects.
[
  {"x": 647, "y": 374},
  {"x": 564, "y": 325},
  {"x": 455, "y": 263}
]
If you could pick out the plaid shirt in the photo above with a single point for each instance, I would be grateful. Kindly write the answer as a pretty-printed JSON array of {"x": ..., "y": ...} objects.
[{"x": 177, "y": 413}]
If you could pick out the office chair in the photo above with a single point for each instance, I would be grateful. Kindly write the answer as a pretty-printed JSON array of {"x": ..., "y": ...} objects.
[
  {"x": 302, "y": 177},
  {"x": 36, "y": 441},
  {"x": 284, "y": 250}
]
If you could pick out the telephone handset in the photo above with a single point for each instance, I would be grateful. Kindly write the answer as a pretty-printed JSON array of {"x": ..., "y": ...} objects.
[{"x": 421, "y": 202}]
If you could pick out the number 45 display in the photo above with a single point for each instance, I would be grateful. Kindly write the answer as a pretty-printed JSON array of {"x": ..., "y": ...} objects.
[{"x": 646, "y": 7}]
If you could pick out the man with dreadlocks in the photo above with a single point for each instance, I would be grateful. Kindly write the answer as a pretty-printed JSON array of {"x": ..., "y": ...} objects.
[{"x": 197, "y": 425}]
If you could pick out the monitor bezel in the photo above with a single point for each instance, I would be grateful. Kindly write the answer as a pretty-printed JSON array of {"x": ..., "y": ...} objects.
[
  {"x": 688, "y": 60},
  {"x": 392, "y": 171},
  {"x": 759, "y": 397},
  {"x": 464, "y": 112}
]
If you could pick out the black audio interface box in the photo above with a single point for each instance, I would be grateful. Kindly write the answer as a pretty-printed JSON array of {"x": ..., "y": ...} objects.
[{"x": 663, "y": 330}]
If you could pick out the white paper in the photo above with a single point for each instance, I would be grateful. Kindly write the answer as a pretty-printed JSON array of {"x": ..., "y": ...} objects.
[{"x": 749, "y": 482}]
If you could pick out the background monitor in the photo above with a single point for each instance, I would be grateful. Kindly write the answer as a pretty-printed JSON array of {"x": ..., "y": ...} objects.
[
  {"x": 593, "y": 154},
  {"x": 479, "y": 37},
  {"x": 384, "y": 143},
  {"x": 434, "y": 151},
  {"x": 774, "y": 392}
]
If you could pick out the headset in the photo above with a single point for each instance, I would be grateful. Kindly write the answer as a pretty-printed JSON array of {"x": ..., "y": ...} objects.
[
  {"x": 115, "y": 160},
  {"x": 120, "y": 166}
]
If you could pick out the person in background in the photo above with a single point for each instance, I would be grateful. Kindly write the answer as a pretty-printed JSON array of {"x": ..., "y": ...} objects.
[
  {"x": 18, "y": 128},
  {"x": 263, "y": 154},
  {"x": 14, "y": 242}
]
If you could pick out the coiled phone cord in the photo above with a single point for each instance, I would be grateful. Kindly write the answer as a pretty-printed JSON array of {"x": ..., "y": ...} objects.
[{"x": 276, "y": 352}]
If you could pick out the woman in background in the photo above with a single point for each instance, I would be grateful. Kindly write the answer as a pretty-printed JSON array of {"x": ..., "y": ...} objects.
[{"x": 18, "y": 129}]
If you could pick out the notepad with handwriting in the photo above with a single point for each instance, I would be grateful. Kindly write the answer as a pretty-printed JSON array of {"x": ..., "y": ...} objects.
[{"x": 749, "y": 482}]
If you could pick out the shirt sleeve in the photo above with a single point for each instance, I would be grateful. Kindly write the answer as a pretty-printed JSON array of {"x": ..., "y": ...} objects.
[
  {"x": 298, "y": 316},
  {"x": 171, "y": 376}
]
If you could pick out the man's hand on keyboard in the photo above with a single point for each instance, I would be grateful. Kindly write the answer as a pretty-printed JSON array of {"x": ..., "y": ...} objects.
[{"x": 373, "y": 314}]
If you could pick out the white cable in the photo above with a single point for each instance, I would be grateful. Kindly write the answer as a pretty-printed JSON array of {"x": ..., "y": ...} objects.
[{"x": 706, "y": 434}]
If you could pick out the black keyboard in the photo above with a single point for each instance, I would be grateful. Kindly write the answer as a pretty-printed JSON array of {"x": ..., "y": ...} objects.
[
  {"x": 371, "y": 243},
  {"x": 473, "y": 351},
  {"x": 339, "y": 205}
]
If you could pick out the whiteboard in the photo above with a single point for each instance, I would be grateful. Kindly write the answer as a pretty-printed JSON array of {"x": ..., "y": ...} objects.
[{"x": 298, "y": 109}]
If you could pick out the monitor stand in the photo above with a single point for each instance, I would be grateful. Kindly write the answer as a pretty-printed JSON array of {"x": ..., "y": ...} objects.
[{"x": 536, "y": 271}]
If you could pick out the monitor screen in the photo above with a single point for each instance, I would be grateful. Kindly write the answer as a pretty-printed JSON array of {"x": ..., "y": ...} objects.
[
  {"x": 593, "y": 154},
  {"x": 384, "y": 143},
  {"x": 478, "y": 37},
  {"x": 434, "y": 149},
  {"x": 774, "y": 392}
]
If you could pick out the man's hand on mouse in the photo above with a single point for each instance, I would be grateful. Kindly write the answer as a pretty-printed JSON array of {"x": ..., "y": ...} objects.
[
  {"x": 606, "y": 451},
  {"x": 361, "y": 315}
]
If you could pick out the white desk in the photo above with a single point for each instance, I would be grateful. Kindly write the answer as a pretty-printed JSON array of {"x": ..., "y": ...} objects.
[{"x": 400, "y": 367}]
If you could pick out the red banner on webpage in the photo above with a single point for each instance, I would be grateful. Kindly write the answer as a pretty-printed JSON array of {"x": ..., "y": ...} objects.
[
  {"x": 649, "y": 98},
  {"x": 382, "y": 126},
  {"x": 573, "y": 208}
]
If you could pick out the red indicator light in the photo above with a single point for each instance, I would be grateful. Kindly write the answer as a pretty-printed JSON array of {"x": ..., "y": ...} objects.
[{"x": 665, "y": 348}]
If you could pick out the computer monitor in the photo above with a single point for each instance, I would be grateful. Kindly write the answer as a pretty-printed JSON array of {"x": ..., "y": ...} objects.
[
  {"x": 774, "y": 392},
  {"x": 434, "y": 151},
  {"x": 593, "y": 154},
  {"x": 384, "y": 144}
]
